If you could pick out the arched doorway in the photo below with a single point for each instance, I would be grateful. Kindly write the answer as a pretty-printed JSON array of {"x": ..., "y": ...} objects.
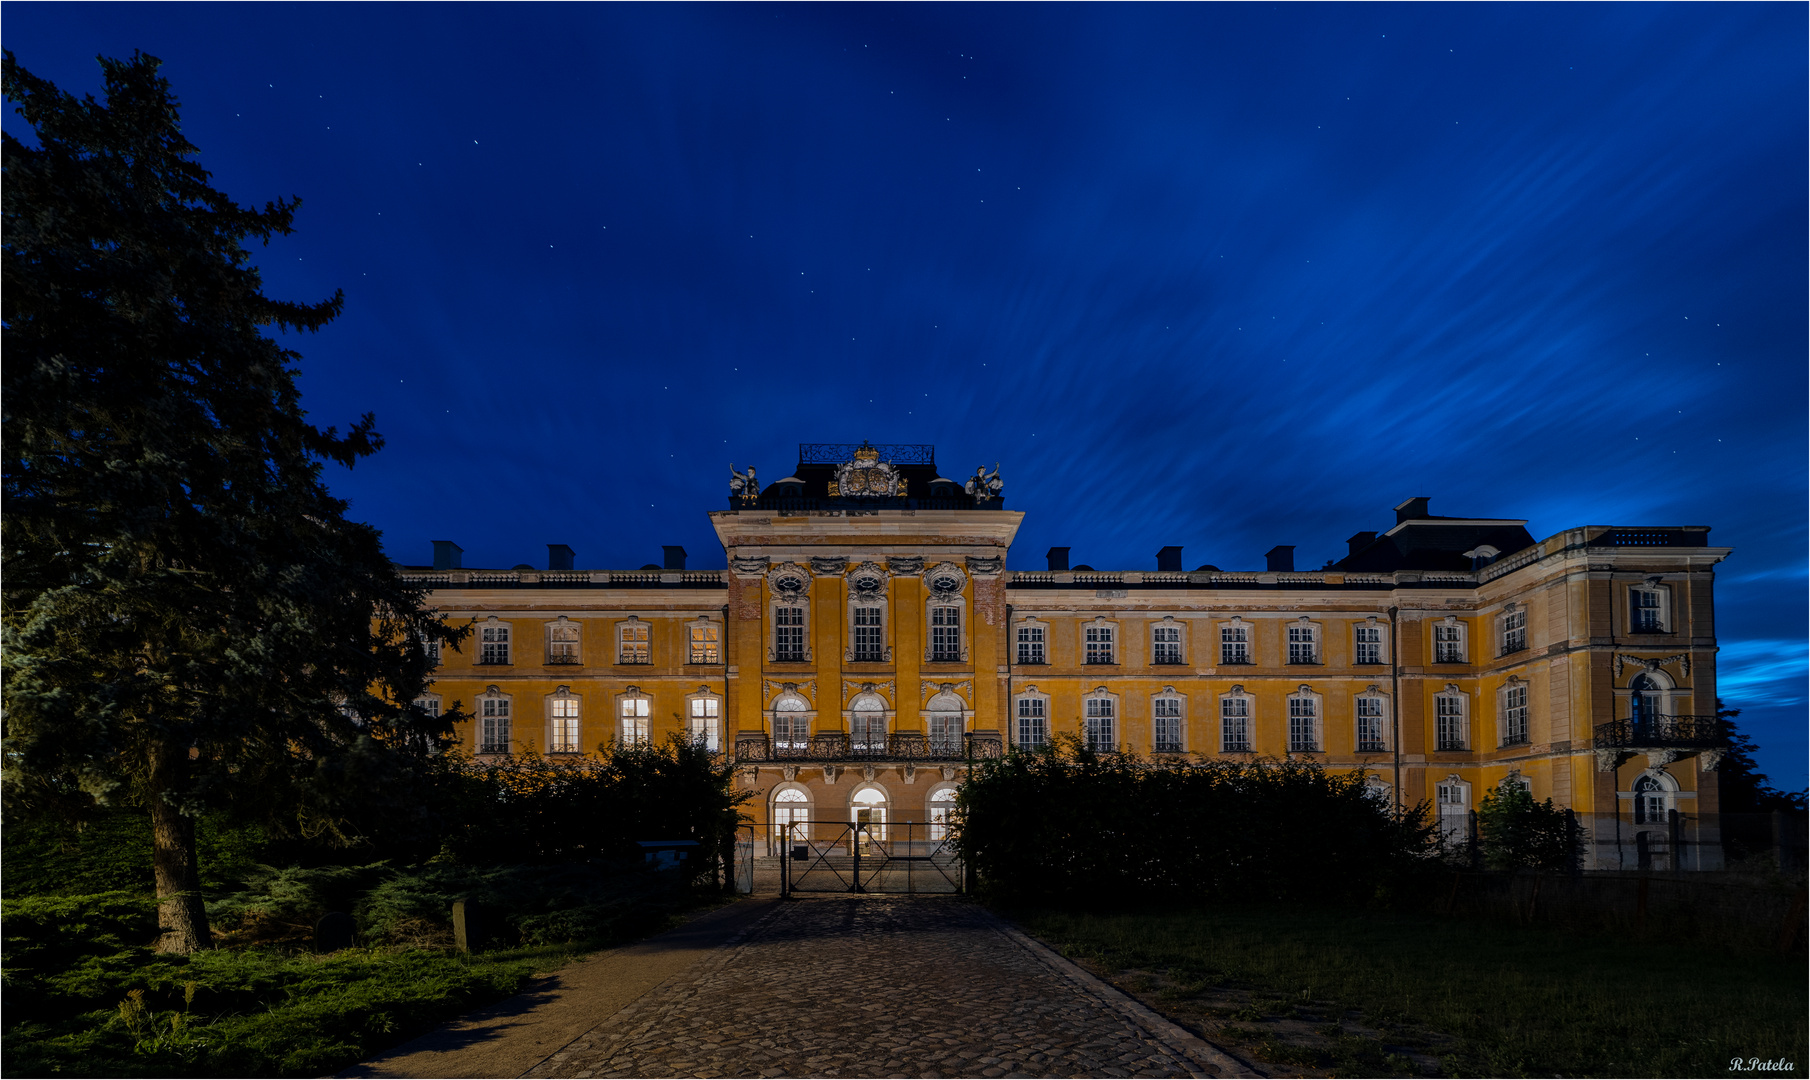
[
  {"x": 867, "y": 816},
  {"x": 1647, "y": 704},
  {"x": 938, "y": 808},
  {"x": 791, "y": 819}
]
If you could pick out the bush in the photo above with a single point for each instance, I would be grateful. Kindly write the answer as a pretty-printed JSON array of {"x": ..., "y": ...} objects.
[
  {"x": 1067, "y": 825},
  {"x": 1517, "y": 833}
]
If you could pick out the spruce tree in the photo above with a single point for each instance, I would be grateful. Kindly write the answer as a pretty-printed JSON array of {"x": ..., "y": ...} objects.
[{"x": 190, "y": 622}]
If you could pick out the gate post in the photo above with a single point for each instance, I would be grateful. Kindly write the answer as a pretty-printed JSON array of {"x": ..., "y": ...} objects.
[{"x": 854, "y": 884}]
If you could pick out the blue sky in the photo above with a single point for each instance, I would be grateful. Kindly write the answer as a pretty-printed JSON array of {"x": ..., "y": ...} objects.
[{"x": 1219, "y": 276}]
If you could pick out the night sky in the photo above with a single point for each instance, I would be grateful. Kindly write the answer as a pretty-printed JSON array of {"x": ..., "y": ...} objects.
[{"x": 1218, "y": 276}]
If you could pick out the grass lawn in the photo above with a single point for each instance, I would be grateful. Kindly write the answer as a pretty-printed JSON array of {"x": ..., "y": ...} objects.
[{"x": 1361, "y": 993}]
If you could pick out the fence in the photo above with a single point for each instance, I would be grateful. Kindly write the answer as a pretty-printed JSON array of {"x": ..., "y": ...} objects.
[
  {"x": 1669, "y": 842},
  {"x": 869, "y": 856}
]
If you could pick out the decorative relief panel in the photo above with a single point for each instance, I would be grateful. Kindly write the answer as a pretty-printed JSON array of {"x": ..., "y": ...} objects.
[
  {"x": 1683, "y": 660},
  {"x": 851, "y": 688},
  {"x": 985, "y": 565},
  {"x": 906, "y": 565},
  {"x": 828, "y": 565},
  {"x": 770, "y": 689},
  {"x": 963, "y": 690},
  {"x": 749, "y": 565}
]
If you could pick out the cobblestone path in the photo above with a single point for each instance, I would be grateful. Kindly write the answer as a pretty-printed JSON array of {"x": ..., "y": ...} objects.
[{"x": 879, "y": 987}]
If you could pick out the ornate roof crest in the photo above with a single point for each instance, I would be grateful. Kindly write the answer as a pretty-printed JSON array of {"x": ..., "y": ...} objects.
[{"x": 867, "y": 477}]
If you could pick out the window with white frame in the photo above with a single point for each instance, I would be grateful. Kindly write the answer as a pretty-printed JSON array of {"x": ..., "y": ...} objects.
[
  {"x": 430, "y": 647},
  {"x": 493, "y": 643},
  {"x": 1369, "y": 708},
  {"x": 1453, "y": 800},
  {"x": 1303, "y": 643},
  {"x": 791, "y": 727},
  {"x": 870, "y": 640},
  {"x": 1098, "y": 641},
  {"x": 493, "y": 722},
  {"x": 1514, "y": 714},
  {"x": 634, "y": 642},
  {"x": 940, "y": 804},
  {"x": 706, "y": 639},
  {"x": 563, "y": 722},
  {"x": 1367, "y": 643},
  {"x": 788, "y": 634},
  {"x": 946, "y": 724},
  {"x": 945, "y": 633},
  {"x": 636, "y": 715},
  {"x": 1451, "y": 730},
  {"x": 1448, "y": 641},
  {"x": 1102, "y": 727},
  {"x": 1165, "y": 643},
  {"x": 428, "y": 704},
  {"x": 1166, "y": 719},
  {"x": 1514, "y": 630},
  {"x": 1235, "y": 723},
  {"x": 1235, "y": 643},
  {"x": 1031, "y": 645},
  {"x": 1033, "y": 722},
  {"x": 1651, "y": 800},
  {"x": 867, "y": 727},
  {"x": 1648, "y": 612},
  {"x": 706, "y": 722},
  {"x": 562, "y": 642},
  {"x": 1303, "y": 722},
  {"x": 792, "y": 815}
]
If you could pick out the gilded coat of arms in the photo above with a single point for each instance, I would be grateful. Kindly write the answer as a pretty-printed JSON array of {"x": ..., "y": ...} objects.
[{"x": 867, "y": 477}]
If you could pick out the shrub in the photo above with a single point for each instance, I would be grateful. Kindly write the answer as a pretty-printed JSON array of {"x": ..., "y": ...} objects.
[{"x": 1517, "y": 833}]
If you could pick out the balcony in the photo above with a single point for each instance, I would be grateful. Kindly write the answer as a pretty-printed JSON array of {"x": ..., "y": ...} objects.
[
  {"x": 562, "y": 658},
  {"x": 1666, "y": 732},
  {"x": 899, "y": 746},
  {"x": 1372, "y": 746}
]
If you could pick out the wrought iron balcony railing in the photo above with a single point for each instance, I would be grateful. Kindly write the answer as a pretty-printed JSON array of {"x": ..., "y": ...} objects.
[
  {"x": 1371, "y": 746},
  {"x": 1690, "y": 732},
  {"x": 837, "y": 746}
]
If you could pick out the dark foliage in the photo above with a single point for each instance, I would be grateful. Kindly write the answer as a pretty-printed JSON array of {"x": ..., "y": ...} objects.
[
  {"x": 1517, "y": 833},
  {"x": 1070, "y": 826},
  {"x": 1744, "y": 788}
]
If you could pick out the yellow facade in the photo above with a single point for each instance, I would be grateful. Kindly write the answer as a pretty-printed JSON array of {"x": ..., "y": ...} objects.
[{"x": 876, "y": 644}]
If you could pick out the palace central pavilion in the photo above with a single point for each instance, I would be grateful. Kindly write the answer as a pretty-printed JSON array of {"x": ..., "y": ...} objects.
[{"x": 866, "y": 645}]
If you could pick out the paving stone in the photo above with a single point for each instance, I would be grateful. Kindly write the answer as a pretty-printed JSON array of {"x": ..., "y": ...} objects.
[{"x": 874, "y": 986}]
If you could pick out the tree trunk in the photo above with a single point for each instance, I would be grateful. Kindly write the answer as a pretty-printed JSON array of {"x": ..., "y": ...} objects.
[{"x": 180, "y": 914}]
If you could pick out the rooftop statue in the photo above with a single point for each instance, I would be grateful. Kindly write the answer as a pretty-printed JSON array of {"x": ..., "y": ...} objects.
[
  {"x": 743, "y": 484},
  {"x": 984, "y": 485}
]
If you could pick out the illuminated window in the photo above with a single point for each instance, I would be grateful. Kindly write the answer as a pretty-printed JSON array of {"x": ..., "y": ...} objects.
[
  {"x": 493, "y": 643},
  {"x": 633, "y": 642},
  {"x": 706, "y": 723},
  {"x": 635, "y": 717},
  {"x": 706, "y": 643},
  {"x": 562, "y": 736},
  {"x": 942, "y": 804},
  {"x": 493, "y": 722},
  {"x": 562, "y": 643},
  {"x": 791, "y": 727},
  {"x": 1099, "y": 644}
]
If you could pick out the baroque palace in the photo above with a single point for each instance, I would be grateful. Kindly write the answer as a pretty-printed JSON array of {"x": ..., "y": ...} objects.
[{"x": 866, "y": 644}]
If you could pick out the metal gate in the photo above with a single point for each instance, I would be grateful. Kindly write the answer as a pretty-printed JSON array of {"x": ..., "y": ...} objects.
[{"x": 867, "y": 857}]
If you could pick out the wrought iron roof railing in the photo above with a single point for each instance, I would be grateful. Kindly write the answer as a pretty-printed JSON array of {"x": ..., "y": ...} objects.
[{"x": 828, "y": 453}]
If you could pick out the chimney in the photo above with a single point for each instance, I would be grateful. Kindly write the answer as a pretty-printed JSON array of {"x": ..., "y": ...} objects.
[
  {"x": 1059, "y": 560},
  {"x": 1413, "y": 510},
  {"x": 675, "y": 557},
  {"x": 448, "y": 555},
  {"x": 1169, "y": 558},
  {"x": 1281, "y": 557},
  {"x": 1358, "y": 542},
  {"x": 559, "y": 557}
]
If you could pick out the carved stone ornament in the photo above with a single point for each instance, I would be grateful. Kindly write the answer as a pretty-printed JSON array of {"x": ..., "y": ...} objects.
[
  {"x": 1683, "y": 660},
  {"x": 985, "y": 565},
  {"x": 867, "y": 772},
  {"x": 828, "y": 565},
  {"x": 1707, "y": 760},
  {"x": 850, "y": 689},
  {"x": 948, "y": 772},
  {"x": 751, "y": 774},
  {"x": 909, "y": 772},
  {"x": 1659, "y": 759},
  {"x": 945, "y": 580},
  {"x": 867, "y": 582},
  {"x": 906, "y": 565},
  {"x": 770, "y": 689},
  {"x": 750, "y": 565},
  {"x": 867, "y": 477},
  {"x": 960, "y": 689},
  {"x": 791, "y": 772},
  {"x": 830, "y": 773},
  {"x": 1609, "y": 759},
  {"x": 789, "y": 581}
]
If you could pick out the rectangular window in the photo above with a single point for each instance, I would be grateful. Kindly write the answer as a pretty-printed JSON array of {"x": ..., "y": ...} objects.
[
  {"x": 946, "y": 733},
  {"x": 431, "y": 648},
  {"x": 1514, "y": 631},
  {"x": 1033, "y": 723},
  {"x": 706, "y": 723},
  {"x": 1449, "y": 711},
  {"x": 1301, "y": 645},
  {"x": 634, "y": 720},
  {"x": 1234, "y": 644},
  {"x": 562, "y": 644},
  {"x": 1102, "y": 737},
  {"x": 493, "y": 732},
  {"x": 946, "y": 634},
  {"x": 1454, "y": 814},
  {"x": 1030, "y": 645},
  {"x": 1166, "y": 645},
  {"x": 493, "y": 642},
  {"x": 1099, "y": 645},
  {"x": 564, "y": 737},
  {"x": 1514, "y": 715},
  {"x": 1649, "y": 616},
  {"x": 791, "y": 732},
  {"x": 632, "y": 639},
  {"x": 1448, "y": 643},
  {"x": 1168, "y": 716},
  {"x": 867, "y": 635},
  {"x": 1369, "y": 645},
  {"x": 1303, "y": 733},
  {"x": 1370, "y": 725},
  {"x": 428, "y": 705},
  {"x": 706, "y": 644},
  {"x": 1235, "y": 725},
  {"x": 788, "y": 634}
]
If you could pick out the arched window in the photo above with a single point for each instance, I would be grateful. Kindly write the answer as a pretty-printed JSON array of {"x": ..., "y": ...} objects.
[
  {"x": 945, "y": 712},
  {"x": 791, "y": 728},
  {"x": 1650, "y": 801},
  {"x": 867, "y": 813},
  {"x": 791, "y": 816},
  {"x": 940, "y": 804},
  {"x": 867, "y": 726},
  {"x": 1647, "y": 703}
]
